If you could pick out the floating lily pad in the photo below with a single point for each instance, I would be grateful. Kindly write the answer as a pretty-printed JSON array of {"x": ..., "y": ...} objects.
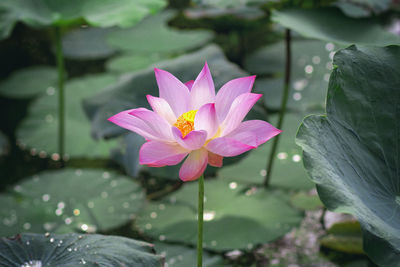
[
  {"x": 29, "y": 82},
  {"x": 311, "y": 67},
  {"x": 288, "y": 171},
  {"x": 265, "y": 215},
  {"x": 131, "y": 91},
  {"x": 153, "y": 35},
  {"x": 330, "y": 24},
  {"x": 38, "y": 131},
  {"x": 70, "y": 200},
  {"x": 352, "y": 154},
  {"x": 182, "y": 256},
  {"x": 87, "y": 43},
  {"x": 72, "y": 250},
  {"x": 103, "y": 13}
]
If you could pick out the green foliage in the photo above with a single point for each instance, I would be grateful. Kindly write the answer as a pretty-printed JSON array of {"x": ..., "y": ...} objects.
[
  {"x": 70, "y": 200},
  {"x": 228, "y": 210},
  {"x": 128, "y": 62},
  {"x": 72, "y": 250},
  {"x": 153, "y": 35},
  {"x": 330, "y": 24},
  {"x": 103, "y": 13},
  {"x": 38, "y": 131},
  {"x": 41, "y": 78},
  {"x": 352, "y": 153},
  {"x": 311, "y": 67},
  {"x": 152, "y": 41},
  {"x": 288, "y": 171}
]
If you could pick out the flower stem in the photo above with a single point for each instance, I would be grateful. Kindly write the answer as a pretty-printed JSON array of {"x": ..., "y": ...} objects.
[
  {"x": 61, "y": 107},
  {"x": 200, "y": 222},
  {"x": 282, "y": 111}
]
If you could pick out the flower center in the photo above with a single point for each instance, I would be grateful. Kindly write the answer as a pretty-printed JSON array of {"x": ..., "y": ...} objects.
[{"x": 185, "y": 122}]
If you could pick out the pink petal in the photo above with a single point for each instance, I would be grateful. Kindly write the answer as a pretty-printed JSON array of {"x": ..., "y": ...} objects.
[
  {"x": 214, "y": 159},
  {"x": 173, "y": 91},
  {"x": 159, "y": 154},
  {"x": 206, "y": 119},
  {"x": 203, "y": 90},
  {"x": 192, "y": 141},
  {"x": 254, "y": 132},
  {"x": 162, "y": 108},
  {"x": 194, "y": 166},
  {"x": 227, "y": 147},
  {"x": 155, "y": 124},
  {"x": 239, "y": 109},
  {"x": 140, "y": 126},
  {"x": 189, "y": 84},
  {"x": 229, "y": 91}
]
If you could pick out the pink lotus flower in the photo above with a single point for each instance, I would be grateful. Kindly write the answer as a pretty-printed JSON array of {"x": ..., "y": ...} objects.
[{"x": 190, "y": 120}]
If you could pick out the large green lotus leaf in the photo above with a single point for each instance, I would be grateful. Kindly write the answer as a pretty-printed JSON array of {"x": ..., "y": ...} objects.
[
  {"x": 38, "y": 131},
  {"x": 232, "y": 219},
  {"x": 101, "y": 13},
  {"x": 352, "y": 154},
  {"x": 330, "y": 24},
  {"x": 4, "y": 144},
  {"x": 311, "y": 67},
  {"x": 71, "y": 250},
  {"x": 132, "y": 89},
  {"x": 29, "y": 82},
  {"x": 183, "y": 256},
  {"x": 363, "y": 8},
  {"x": 153, "y": 35},
  {"x": 87, "y": 43},
  {"x": 70, "y": 200},
  {"x": 288, "y": 171}
]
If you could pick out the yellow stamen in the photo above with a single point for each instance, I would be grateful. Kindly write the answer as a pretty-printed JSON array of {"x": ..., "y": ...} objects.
[{"x": 185, "y": 122}]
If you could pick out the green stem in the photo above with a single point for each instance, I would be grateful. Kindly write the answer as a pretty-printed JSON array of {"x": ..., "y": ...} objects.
[
  {"x": 200, "y": 222},
  {"x": 61, "y": 107},
  {"x": 282, "y": 111}
]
